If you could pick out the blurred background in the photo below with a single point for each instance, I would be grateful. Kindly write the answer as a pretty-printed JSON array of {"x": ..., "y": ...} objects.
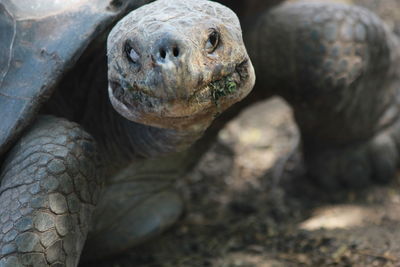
[{"x": 249, "y": 202}]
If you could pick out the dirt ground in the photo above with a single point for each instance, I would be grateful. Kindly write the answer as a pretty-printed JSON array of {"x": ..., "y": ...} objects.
[{"x": 249, "y": 203}]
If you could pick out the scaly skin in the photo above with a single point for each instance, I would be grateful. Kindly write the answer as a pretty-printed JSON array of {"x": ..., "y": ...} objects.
[
  {"x": 50, "y": 184},
  {"x": 173, "y": 92},
  {"x": 173, "y": 66},
  {"x": 338, "y": 68},
  {"x": 322, "y": 57},
  {"x": 170, "y": 82}
]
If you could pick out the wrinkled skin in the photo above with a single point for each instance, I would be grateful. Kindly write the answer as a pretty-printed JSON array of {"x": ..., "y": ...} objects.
[
  {"x": 168, "y": 83},
  {"x": 342, "y": 82},
  {"x": 107, "y": 170}
]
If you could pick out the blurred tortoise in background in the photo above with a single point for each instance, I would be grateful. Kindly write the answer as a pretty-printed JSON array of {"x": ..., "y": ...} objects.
[{"x": 93, "y": 136}]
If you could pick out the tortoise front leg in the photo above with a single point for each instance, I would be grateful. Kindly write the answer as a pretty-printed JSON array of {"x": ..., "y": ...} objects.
[{"x": 49, "y": 187}]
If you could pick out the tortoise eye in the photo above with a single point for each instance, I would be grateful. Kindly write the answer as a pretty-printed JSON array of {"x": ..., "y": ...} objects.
[
  {"x": 131, "y": 54},
  {"x": 213, "y": 41}
]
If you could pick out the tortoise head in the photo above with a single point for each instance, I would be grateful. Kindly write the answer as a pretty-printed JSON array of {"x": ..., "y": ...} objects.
[{"x": 175, "y": 63}]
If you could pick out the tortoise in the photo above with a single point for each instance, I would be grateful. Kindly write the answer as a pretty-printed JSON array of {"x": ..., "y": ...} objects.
[{"x": 105, "y": 109}]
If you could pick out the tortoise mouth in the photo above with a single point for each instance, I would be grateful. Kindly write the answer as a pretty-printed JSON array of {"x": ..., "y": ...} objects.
[
  {"x": 214, "y": 97},
  {"x": 225, "y": 87}
]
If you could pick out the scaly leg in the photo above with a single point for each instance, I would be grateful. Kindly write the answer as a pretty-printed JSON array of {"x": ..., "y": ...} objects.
[
  {"x": 49, "y": 187},
  {"x": 338, "y": 66}
]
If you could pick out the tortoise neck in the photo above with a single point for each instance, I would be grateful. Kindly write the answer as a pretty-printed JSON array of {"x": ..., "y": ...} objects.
[
  {"x": 82, "y": 97},
  {"x": 123, "y": 139}
]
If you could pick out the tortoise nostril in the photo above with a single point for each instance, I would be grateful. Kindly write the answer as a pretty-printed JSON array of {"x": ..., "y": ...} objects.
[
  {"x": 175, "y": 51},
  {"x": 163, "y": 53},
  {"x": 168, "y": 49}
]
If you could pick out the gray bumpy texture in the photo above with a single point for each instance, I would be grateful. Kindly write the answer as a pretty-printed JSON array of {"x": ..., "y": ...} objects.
[
  {"x": 335, "y": 64},
  {"x": 339, "y": 71},
  {"x": 49, "y": 188}
]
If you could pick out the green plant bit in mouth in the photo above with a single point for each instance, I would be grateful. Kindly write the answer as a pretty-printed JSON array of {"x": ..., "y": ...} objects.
[{"x": 222, "y": 88}]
